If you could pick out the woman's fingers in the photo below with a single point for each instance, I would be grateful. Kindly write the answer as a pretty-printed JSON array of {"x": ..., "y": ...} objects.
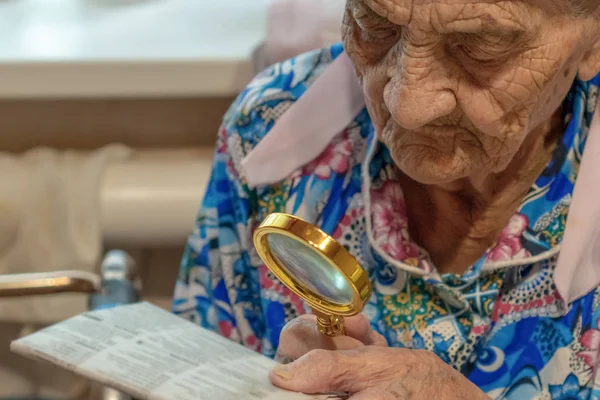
[
  {"x": 380, "y": 394},
  {"x": 302, "y": 335},
  {"x": 359, "y": 328},
  {"x": 317, "y": 372},
  {"x": 322, "y": 371},
  {"x": 376, "y": 373}
]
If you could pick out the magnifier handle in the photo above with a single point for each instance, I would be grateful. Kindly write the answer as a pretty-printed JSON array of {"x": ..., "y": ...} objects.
[{"x": 331, "y": 325}]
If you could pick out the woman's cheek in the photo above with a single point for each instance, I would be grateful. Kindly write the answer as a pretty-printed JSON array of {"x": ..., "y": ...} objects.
[
  {"x": 374, "y": 88},
  {"x": 553, "y": 95},
  {"x": 373, "y": 83}
]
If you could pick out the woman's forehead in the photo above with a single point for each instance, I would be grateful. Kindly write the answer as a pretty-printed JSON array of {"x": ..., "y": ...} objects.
[
  {"x": 492, "y": 14},
  {"x": 389, "y": 6}
]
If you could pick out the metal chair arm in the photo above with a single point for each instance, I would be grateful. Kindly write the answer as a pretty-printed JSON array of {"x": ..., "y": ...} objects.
[{"x": 19, "y": 285}]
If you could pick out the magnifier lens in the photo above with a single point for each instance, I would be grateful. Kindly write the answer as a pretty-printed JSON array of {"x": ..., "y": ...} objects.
[{"x": 310, "y": 268}]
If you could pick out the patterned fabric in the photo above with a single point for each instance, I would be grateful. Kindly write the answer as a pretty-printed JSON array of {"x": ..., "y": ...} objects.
[{"x": 501, "y": 323}]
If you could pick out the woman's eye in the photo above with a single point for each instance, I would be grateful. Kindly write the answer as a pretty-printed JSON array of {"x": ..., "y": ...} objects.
[
  {"x": 378, "y": 35},
  {"x": 472, "y": 52},
  {"x": 481, "y": 49}
]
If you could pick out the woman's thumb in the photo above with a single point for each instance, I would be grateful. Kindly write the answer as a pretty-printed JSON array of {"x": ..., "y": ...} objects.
[{"x": 359, "y": 328}]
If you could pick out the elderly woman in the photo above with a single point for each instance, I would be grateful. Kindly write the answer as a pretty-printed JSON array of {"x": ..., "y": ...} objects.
[{"x": 452, "y": 189}]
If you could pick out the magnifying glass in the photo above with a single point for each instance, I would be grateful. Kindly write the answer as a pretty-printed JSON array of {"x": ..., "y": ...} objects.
[{"x": 314, "y": 266}]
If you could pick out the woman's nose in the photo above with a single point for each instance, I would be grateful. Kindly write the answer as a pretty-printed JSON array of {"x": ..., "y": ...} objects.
[{"x": 418, "y": 96}]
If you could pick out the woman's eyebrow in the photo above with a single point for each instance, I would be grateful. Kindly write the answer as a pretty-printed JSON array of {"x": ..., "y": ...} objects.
[
  {"x": 479, "y": 24},
  {"x": 396, "y": 13}
]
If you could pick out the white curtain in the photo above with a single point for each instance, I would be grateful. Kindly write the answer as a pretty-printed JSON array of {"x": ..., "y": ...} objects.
[{"x": 297, "y": 26}]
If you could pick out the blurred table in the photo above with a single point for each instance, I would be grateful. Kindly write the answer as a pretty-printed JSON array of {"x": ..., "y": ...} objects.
[{"x": 127, "y": 48}]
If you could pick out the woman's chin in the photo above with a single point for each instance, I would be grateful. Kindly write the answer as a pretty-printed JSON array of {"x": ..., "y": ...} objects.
[{"x": 433, "y": 170}]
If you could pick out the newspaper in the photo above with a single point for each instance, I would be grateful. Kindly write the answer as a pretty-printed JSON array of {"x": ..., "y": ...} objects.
[{"x": 151, "y": 354}]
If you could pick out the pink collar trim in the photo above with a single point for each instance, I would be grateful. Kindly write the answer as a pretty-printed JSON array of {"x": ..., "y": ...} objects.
[
  {"x": 304, "y": 131},
  {"x": 578, "y": 269}
]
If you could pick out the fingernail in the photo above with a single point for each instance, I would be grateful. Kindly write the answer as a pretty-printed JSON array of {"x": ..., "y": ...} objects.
[{"x": 283, "y": 372}]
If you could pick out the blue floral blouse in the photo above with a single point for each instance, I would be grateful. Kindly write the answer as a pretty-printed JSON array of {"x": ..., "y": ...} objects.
[{"x": 502, "y": 323}]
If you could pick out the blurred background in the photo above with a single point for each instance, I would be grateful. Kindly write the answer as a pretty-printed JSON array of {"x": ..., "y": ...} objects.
[{"x": 109, "y": 111}]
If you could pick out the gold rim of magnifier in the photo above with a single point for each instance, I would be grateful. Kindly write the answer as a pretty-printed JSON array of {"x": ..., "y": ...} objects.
[{"x": 337, "y": 256}]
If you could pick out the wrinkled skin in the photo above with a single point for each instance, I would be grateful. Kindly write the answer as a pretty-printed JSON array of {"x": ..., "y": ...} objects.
[
  {"x": 400, "y": 374},
  {"x": 361, "y": 364},
  {"x": 466, "y": 94},
  {"x": 454, "y": 86}
]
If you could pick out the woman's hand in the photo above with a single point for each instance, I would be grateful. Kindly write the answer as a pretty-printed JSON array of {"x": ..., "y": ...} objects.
[
  {"x": 301, "y": 335},
  {"x": 376, "y": 373}
]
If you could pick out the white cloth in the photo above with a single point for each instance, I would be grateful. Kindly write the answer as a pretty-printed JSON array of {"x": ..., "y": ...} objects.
[
  {"x": 578, "y": 269},
  {"x": 49, "y": 221},
  {"x": 298, "y": 26}
]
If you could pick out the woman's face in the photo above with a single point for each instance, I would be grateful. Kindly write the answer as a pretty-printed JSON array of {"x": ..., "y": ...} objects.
[{"x": 454, "y": 86}]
